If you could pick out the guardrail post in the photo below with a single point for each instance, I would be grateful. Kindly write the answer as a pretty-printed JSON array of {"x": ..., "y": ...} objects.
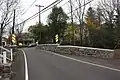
[
  {"x": 4, "y": 58},
  {"x": 11, "y": 57}
]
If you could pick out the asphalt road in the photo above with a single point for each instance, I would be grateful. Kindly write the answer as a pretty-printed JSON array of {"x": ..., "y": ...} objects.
[
  {"x": 44, "y": 65},
  {"x": 19, "y": 66}
]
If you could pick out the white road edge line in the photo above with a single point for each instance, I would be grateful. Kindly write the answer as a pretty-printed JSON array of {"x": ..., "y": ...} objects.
[
  {"x": 81, "y": 61},
  {"x": 26, "y": 65}
]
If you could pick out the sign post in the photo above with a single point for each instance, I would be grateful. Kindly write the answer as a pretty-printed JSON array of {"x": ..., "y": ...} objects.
[
  {"x": 11, "y": 57},
  {"x": 4, "y": 58}
]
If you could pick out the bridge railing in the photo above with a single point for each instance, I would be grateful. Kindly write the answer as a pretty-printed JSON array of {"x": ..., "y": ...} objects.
[
  {"x": 6, "y": 56},
  {"x": 4, "y": 53}
]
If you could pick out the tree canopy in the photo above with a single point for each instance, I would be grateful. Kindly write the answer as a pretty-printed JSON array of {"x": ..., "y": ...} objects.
[
  {"x": 39, "y": 32},
  {"x": 100, "y": 26},
  {"x": 57, "y": 21}
]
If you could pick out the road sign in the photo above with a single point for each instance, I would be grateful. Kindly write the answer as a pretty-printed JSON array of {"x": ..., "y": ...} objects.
[
  {"x": 56, "y": 38},
  {"x": 13, "y": 38}
]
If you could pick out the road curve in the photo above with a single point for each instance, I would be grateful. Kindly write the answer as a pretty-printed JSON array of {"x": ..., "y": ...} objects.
[{"x": 46, "y": 66}]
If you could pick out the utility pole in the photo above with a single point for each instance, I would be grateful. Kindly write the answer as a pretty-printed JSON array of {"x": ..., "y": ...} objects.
[
  {"x": 13, "y": 23},
  {"x": 39, "y": 6},
  {"x": 71, "y": 7},
  {"x": 13, "y": 27}
]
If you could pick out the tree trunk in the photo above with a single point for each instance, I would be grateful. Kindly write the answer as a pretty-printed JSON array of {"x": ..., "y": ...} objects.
[
  {"x": 0, "y": 39},
  {"x": 54, "y": 41},
  {"x": 80, "y": 30},
  {"x": 1, "y": 32}
]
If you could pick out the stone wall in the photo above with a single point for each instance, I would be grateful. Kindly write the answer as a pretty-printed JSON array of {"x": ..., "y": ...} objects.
[
  {"x": 117, "y": 53},
  {"x": 48, "y": 47},
  {"x": 80, "y": 51}
]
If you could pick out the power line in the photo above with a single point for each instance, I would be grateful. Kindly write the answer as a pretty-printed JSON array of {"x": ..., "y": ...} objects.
[
  {"x": 29, "y": 7},
  {"x": 77, "y": 11},
  {"x": 51, "y": 7},
  {"x": 44, "y": 10},
  {"x": 73, "y": 5},
  {"x": 74, "y": 11},
  {"x": 81, "y": 6},
  {"x": 65, "y": 3}
]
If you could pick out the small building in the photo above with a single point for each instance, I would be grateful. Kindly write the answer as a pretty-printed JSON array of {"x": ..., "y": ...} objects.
[
  {"x": 26, "y": 42},
  {"x": 4, "y": 41}
]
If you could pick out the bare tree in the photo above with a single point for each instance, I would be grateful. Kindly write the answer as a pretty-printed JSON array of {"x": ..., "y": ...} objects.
[
  {"x": 79, "y": 14},
  {"x": 118, "y": 10},
  {"x": 109, "y": 8},
  {"x": 6, "y": 14},
  {"x": 19, "y": 29},
  {"x": 111, "y": 15}
]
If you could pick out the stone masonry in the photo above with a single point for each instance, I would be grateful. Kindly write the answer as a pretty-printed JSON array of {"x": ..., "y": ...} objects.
[{"x": 79, "y": 51}]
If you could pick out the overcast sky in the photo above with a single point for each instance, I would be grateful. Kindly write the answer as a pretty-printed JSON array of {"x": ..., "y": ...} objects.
[{"x": 26, "y": 3}]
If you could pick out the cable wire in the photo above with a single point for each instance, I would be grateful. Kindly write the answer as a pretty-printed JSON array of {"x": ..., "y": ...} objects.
[
  {"x": 81, "y": 6},
  {"x": 44, "y": 10},
  {"x": 65, "y": 3},
  {"x": 29, "y": 7}
]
